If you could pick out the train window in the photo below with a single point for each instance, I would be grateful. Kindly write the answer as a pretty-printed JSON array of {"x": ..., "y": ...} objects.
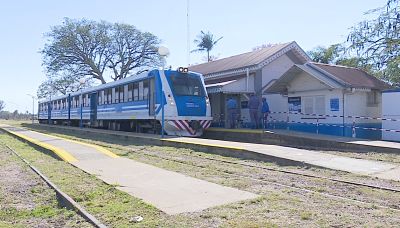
[
  {"x": 140, "y": 91},
  {"x": 121, "y": 94},
  {"x": 106, "y": 96},
  {"x": 109, "y": 96},
  {"x": 130, "y": 92},
  {"x": 84, "y": 100},
  {"x": 76, "y": 101},
  {"x": 186, "y": 85},
  {"x": 116, "y": 95},
  {"x": 136, "y": 91},
  {"x": 146, "y": 90},
  {"x": 99, "y": 98}
]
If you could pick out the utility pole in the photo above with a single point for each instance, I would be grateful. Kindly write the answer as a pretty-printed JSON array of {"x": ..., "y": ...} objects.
[
  {"x": 188, "y": 33},
  {"x": 33, "y": 107}
]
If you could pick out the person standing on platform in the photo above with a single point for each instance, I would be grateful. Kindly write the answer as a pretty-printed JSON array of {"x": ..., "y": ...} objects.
[
  {"x": 254, "y": 104},
  {"x": 231, "y": 105},
  {"x": 265, "y": 111}
]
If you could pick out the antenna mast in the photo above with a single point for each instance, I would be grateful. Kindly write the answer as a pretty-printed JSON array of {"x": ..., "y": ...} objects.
[{"x": 188, "y": 33}]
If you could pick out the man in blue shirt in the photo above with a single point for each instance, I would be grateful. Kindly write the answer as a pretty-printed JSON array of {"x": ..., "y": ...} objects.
[
  {"x": 254, "y": 104},
  {"x": 231, "y": 105},
  {"x": 265, "y": 111}
]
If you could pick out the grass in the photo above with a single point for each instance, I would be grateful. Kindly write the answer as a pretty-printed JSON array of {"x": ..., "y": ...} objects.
[
  {"x": 104, "y": 201},
  {"x": 25, "y": 200},
  {"x": 277, "y": 207}
]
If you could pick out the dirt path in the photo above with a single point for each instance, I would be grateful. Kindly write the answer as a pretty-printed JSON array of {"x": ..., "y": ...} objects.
[{"x": 26, "y": 201}]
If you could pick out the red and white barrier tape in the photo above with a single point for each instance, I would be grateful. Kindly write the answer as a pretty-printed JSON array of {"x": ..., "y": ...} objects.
[
  {"x": 337, "y": 116},
  {"x": 336, "y": 125}
]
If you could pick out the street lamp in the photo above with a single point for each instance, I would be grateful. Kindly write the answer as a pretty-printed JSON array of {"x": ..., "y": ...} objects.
[
  {"x": 81, "y": 82},
  {"x": 33, "y": 107},
  {"x": 163, "y": 52}
]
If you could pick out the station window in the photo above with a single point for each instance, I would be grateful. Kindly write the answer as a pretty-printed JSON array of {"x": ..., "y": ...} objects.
[
  {"x": 314, "y": 105},
  {"x": 372, "y": 99}
]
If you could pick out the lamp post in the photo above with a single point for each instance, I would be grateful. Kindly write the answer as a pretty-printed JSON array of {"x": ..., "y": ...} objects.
[
  {"x": 33, "y": 107},
  {"x": 81, "y": 82},
  {"x": 163, "y": 52}
]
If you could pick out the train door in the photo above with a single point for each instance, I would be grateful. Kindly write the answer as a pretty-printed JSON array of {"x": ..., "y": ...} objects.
[
  {"x": 93, "y": 108},
  {"x": 152, "y": 97}
]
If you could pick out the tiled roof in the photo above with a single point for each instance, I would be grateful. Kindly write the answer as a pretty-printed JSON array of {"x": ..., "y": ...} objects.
[
  {"x": 353, "y": 77},
  {"x": 238, "y": 61}
]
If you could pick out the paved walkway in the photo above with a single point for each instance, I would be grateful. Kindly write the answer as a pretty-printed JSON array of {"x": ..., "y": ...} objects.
[
  {"x": 368, "y": 142},
  {"x": 352, "y": 165},
  {"x": 169, "y": 191}
]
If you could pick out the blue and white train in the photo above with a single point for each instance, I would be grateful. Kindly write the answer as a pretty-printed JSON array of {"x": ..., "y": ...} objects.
[{"x": 135, "y": 104}]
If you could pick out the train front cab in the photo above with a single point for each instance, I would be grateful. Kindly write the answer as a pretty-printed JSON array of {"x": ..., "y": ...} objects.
[{"x": 187, "y": 105}]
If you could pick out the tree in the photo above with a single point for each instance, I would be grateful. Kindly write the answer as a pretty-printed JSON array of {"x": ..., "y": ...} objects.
[
  {"x": 78, "y": 47},
  {"x": 88, "y": 49},
  {"x": 337, "y": 54},
  {"x": 378, "y": 40},
  {"x": 132, "y": 49},
  {"x": 326, "y": 55},
  {"x": 206, "y": 42},
  {"x": 2, "y": 105},
  {"x": 61, "y": 84}
]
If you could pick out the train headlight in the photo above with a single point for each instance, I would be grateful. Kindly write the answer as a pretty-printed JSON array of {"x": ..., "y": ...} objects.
[
  {"x": 183, "y": 70},
  {"x": 171, "y": 102},
  {"x": 207, "y": 101}
]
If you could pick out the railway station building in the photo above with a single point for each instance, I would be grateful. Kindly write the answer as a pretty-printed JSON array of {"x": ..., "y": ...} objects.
[
  {"x": 302, "y": 95},
  {"x": 332, "y": 99},
  {"x": 248, "y": 73}
]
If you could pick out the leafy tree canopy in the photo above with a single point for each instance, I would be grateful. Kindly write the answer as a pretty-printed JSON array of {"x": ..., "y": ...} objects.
[
  {"x": 337, "y": 54},
  {"x": 378, "y": 40},
  {"x": 93, "y": 50}
]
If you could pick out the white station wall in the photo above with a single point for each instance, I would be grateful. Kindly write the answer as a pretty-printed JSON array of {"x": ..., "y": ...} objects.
[{"x": 391, "y": 109}]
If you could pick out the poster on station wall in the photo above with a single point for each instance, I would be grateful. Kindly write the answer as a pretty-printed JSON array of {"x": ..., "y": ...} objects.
[
  {"x": 294, "y": 104},
  {"x": 334, "y": 104}
]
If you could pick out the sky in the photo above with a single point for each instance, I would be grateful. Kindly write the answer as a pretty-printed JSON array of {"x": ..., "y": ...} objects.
[{"x": 243, "y": 24}]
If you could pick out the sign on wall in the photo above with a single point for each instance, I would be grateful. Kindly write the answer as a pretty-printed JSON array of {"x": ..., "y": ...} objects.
[
  {"x": 334, "y": 104},
  {"x": 294, "y": 104}
]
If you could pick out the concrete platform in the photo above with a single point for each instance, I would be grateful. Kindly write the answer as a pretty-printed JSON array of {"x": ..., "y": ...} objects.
[
  {"x": 303, "y": 140},
  {"x": 352, "y": 165},
  {"x": 280, "y": 154},
  {"x": 169, "y": 191}
]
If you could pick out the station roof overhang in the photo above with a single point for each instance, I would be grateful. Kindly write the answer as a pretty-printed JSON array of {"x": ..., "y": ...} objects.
[
  {"x": 281, "y": 85},
  {"x": 221, "y": 87}
]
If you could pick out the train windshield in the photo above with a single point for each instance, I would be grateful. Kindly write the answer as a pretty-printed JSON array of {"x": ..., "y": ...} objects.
[{"x": 187, "y": 85}]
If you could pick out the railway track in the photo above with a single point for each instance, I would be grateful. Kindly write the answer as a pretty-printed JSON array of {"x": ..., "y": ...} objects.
[
  {"x": 329, "y": 195},
  {"x": 317, "y": 177},
  {"x": 62, "y": 197}
]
